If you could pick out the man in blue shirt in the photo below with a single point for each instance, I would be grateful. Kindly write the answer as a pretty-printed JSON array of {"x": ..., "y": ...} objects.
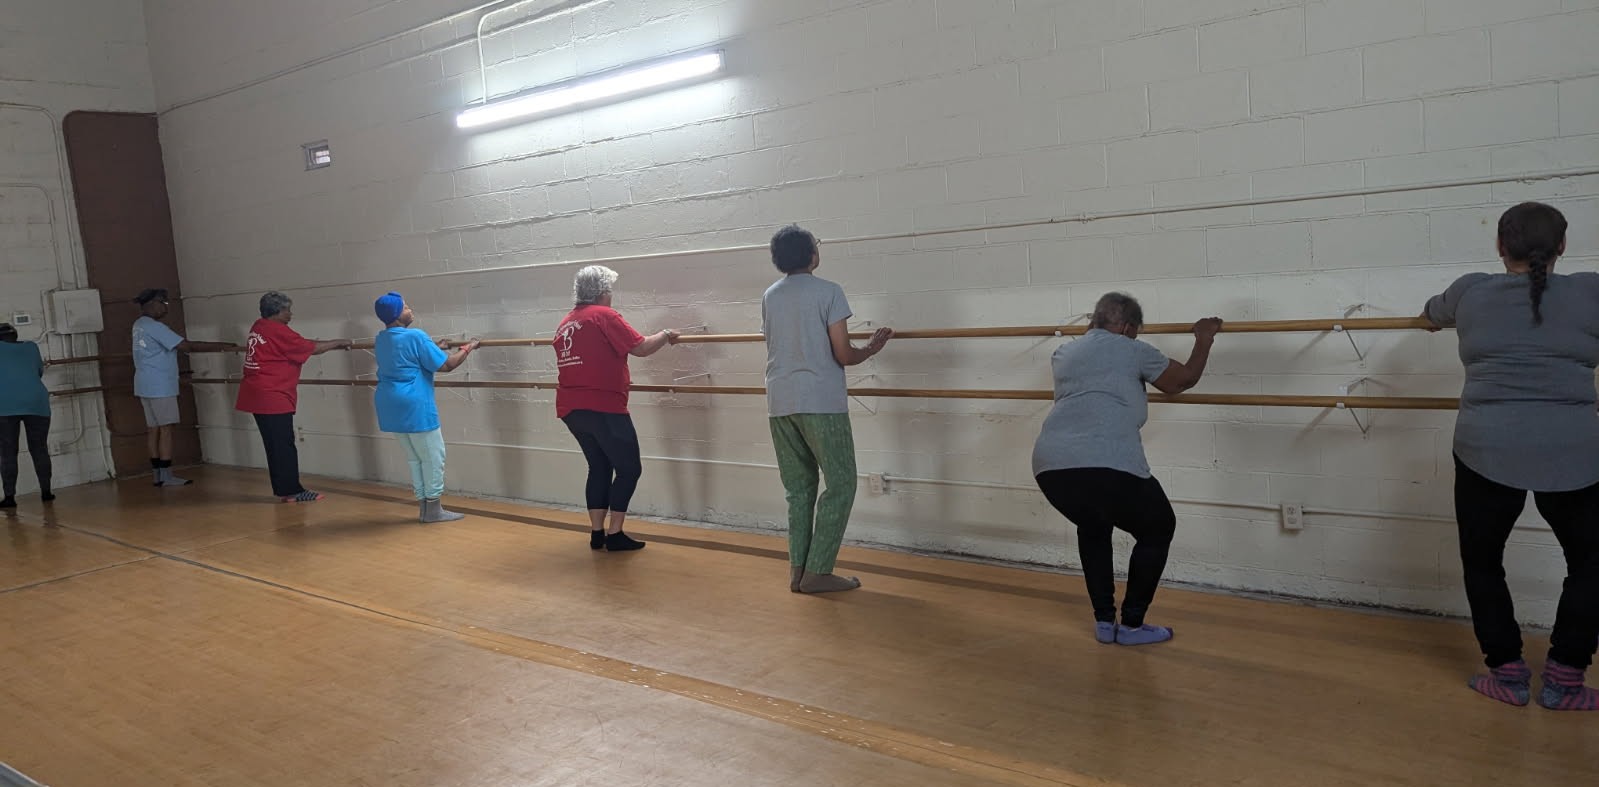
[
  {"x": 407, "y": 360},
  {"x": 155, "y": 378}
]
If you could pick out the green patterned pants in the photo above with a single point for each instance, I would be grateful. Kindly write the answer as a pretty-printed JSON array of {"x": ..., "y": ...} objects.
[{"x": 809, "y": 445}]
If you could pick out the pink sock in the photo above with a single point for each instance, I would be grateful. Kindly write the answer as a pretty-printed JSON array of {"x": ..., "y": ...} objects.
[
  {"x": 1508, "y": 683},
  {"x": 1563, "y": 689}
]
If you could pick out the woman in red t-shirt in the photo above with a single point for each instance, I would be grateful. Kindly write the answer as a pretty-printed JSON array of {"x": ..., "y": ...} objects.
[
  {"x": 269, "y": 389},
  {"x": 591, "y": 349}
]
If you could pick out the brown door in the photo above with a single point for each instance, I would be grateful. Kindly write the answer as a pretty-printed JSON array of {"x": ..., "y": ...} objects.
[{"x": 120, "y": 187}]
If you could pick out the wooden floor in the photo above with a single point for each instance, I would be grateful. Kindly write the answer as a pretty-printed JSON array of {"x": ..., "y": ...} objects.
[{"x": 207, "y": 636}]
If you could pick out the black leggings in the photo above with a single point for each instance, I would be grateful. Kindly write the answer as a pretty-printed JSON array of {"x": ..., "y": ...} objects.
[
  {"x": 1098, "y": 500},
  {"x": 38, "y": 428},
  {"x": 610, "y": 445},
  {"x": 1486, "y": 512}
]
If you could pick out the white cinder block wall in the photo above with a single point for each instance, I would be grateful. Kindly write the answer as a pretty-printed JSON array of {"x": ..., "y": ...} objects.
[
  {"x": 905, "y": 117},
  {"x": 58, "y": 56}
]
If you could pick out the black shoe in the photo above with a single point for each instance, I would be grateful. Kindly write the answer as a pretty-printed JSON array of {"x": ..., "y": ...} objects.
[
  {"x": 596, "y": 539},
  {"x": 9, "y": 502},
  {"x": 47, "y": 496},
  {"x": 619, "y": 542}
]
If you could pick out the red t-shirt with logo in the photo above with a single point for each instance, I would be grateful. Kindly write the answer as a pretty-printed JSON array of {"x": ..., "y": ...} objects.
[
  {"x": 272, "y": 368},
  {"x": 591, "y": 348}
]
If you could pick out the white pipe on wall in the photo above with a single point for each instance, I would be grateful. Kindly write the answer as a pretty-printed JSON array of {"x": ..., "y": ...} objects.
[
  {"x": 548, "y": 13},
  {"x": 1082, "y": 218},
  {"x": 894, "y": 479},
  {"x": 78, "y": 272},
  {"x": 357, "y": 49}
]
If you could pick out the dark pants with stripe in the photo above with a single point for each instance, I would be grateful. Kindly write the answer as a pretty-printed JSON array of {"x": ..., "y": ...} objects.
[{"x": 283, "y": 456}]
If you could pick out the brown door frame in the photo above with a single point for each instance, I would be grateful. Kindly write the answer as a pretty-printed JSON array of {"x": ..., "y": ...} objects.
[{"x": 119, "y": 190}]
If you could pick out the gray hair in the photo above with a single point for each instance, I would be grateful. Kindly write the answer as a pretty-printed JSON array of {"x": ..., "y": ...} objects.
[
  {"x": 273, "y": 304},
  {"x": 1117, "y": 308},
  {"x": 592, "y": 284}
]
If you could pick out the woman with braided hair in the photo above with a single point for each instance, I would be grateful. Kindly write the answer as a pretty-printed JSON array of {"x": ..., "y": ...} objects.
[{"x": 1529, "y": 339}]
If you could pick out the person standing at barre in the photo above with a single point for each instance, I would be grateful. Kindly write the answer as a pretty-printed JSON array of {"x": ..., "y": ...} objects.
[
  {"x": 591, "y": 348},
  {"x": 1089, "y": 459},
  {"x": 407, "y": 360},
  {"x": 24, "y": 407},
  {"x": 805, "y": 320},
  {"x": 270, "y": 387},
  {"x": 1529, "y": 339},
  {"x": 155, "y": 378}
]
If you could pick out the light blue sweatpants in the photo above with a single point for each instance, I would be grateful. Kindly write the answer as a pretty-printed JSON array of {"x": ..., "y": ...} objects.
[{"x": 425, "y": 451}]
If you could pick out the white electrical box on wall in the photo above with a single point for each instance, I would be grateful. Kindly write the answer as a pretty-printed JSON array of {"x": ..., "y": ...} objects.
[{"x": 77, "y": 311}]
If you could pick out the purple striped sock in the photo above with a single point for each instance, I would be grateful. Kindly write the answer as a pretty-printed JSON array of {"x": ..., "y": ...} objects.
[
  {"x": 1563, "y": 689},
  {"x": 1509, "y": 683}
]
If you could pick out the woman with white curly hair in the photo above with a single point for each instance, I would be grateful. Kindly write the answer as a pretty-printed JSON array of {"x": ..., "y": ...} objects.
[{"x": 591, "y": 346}]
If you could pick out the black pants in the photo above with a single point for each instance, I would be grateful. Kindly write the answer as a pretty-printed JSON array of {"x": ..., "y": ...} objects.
[
  {"x": 38, "y": 428},
  {"x": 1486, "y": 512},
  {"x": 1098, "y": 500},
  {"x": 283, "y": 457},
  {"x": 610, "y": 444}
]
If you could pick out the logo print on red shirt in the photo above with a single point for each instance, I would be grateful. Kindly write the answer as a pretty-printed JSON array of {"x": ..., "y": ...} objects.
[{"x": 563, "y": 345}]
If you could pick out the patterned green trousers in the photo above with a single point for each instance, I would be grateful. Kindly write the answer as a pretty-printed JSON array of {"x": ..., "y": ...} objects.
[{"x": 809, "y": 445}]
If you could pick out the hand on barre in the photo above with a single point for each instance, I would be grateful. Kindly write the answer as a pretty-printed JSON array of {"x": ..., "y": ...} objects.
[
  {"x": 653, "y": 344},
  {"x": 1431, "y": 327},
  {"x": 879, "y": 338},
  {"x": 1206, "y": 329}
]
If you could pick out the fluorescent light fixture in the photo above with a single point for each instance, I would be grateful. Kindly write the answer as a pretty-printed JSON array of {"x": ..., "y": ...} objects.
[{"x": 588, "y": 91}]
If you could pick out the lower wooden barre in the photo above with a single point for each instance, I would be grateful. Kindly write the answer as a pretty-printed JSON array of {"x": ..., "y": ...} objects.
[
  {"x": 86, "y": 359},
  {"x": 79, "y": 391},
  {"x": 1235, "y": 400}
]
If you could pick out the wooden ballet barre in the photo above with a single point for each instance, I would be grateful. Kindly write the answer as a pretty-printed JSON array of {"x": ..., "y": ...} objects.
[
  {"x": 1003, "y": 332},
  {"x": 1015, "y": 331},
  {"x": 1237, "y": 400}
]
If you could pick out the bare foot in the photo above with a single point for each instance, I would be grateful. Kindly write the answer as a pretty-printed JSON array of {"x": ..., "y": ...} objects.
[{"x": 827, "y": 583}]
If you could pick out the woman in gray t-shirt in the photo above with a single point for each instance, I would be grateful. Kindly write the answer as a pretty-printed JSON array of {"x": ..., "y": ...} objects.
[
  {"x": 1089, "y": 458},
  {"x": 1529, "y": 339}
]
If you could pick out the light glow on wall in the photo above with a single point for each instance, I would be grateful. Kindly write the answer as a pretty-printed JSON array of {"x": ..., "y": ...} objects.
[{"x": 624, "y": 82}]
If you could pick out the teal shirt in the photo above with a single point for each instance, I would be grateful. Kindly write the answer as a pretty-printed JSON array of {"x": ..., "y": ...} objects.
[{"x": 22, "y": 390}]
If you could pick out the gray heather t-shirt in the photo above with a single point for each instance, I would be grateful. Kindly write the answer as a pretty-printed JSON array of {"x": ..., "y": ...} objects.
[
  {"x": 1527, "y": 411},
  {"x": 802, "y": 376},
  {"x": 1100, "y": 404}
]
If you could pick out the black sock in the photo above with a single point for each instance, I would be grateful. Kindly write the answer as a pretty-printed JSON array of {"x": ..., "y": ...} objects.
[
  {"x": 155, "y": 464},
  {"x": 619, "y": 542},
  {"x": 597, "y": 539}
]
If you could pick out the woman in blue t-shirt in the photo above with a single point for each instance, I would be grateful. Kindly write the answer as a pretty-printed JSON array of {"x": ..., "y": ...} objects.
[
  {"x": 24, "y": 404},
  {"x": 407, "y": 360}
]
